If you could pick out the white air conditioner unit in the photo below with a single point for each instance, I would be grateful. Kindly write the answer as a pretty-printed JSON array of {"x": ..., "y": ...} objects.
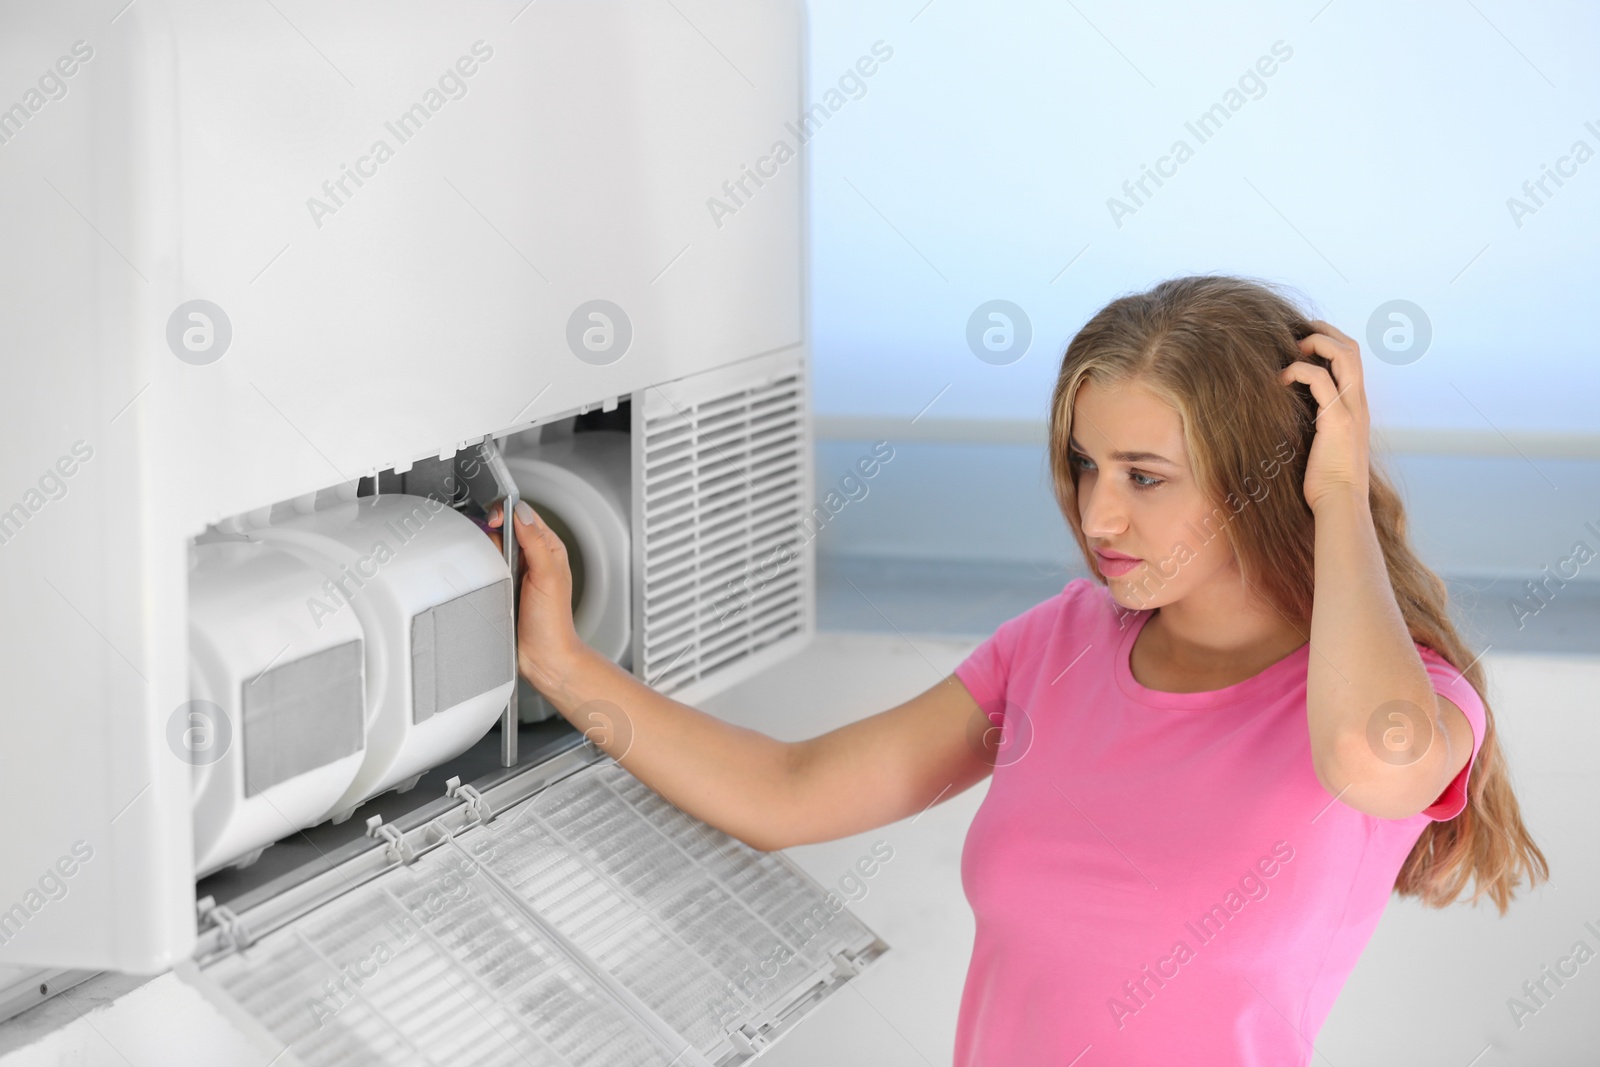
[{"x": 281, "y": 277}]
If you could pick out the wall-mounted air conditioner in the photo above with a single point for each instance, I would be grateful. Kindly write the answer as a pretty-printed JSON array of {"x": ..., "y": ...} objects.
[{"x": 291, "y": 292}]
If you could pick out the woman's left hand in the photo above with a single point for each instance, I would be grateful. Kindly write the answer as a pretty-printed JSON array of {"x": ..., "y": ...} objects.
[{"x": 1338, "y": 459}]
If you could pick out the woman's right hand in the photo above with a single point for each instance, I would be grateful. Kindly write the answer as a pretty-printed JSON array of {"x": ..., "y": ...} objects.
[{"x": 546, "y": 638}]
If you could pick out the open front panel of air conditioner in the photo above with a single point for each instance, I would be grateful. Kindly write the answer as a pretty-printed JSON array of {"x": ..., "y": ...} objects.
[{"x": 589, "y": 921}]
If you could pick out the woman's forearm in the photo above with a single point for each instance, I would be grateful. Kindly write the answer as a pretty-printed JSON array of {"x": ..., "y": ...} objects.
[
  {"x": 1364, "y": 668},
  {"x": 735, "y": 779}
]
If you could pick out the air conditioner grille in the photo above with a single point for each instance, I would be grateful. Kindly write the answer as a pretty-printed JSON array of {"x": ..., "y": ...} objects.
[
  {"x": 592, "y": 923},
  {"x": 723, "y": 567}
]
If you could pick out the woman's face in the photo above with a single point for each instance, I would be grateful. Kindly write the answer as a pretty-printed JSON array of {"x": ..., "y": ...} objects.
[{"x": 1137, "y": 496}]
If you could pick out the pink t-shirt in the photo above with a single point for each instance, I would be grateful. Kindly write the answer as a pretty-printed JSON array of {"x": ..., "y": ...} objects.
[{"x": 1159, "y": 877}]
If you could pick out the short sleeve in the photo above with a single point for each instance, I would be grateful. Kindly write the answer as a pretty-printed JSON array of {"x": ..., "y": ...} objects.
[
  {"x": 987, "y": 670},
  {"x": 1454, "y": 687}
]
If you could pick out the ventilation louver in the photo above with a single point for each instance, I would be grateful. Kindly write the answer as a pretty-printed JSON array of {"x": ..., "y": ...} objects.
[{"x": 721, "y": 547}]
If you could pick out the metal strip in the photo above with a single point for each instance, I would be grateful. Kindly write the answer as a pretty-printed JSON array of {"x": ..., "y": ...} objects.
[
  {"x": 26, "y": 994},
  {"x": 509, "y": 719}
]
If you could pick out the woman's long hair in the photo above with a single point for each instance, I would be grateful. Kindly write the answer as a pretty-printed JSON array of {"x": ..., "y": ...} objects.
[{"x": 1212, "y": 347}]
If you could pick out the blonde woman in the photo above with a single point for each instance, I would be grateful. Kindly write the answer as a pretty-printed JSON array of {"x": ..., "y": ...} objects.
[{"x": 1212, "y": 763}]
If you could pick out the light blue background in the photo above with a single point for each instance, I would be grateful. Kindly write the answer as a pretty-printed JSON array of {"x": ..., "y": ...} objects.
[{"x": 1376, "y": 165}]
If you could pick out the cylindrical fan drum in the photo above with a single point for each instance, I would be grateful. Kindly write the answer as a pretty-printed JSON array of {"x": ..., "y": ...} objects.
[
  {"x": 275, "y": 726},
  {"x": 433, "y": 598},
  {"x": 580, "y": 484}
]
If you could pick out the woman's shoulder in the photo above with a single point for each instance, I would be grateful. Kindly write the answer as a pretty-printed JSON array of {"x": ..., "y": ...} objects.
[
  {"x": 1082, "y": 603},
  {"x": 1452, "y": 683}
]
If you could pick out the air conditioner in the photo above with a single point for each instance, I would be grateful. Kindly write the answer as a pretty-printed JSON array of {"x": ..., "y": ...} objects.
[{"x": 292, "y": 291}]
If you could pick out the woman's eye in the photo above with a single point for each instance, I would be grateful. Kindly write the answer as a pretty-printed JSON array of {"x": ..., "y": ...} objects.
[{"x": 1140, "y": 481}]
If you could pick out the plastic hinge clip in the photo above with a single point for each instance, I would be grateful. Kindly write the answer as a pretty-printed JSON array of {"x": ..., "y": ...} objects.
[
  {"x": 844, "y": 966},
  {"x": 475, "y": 801},
  {"x": 394, "y": 842},
  {"x": 223, "y": 918},
  {"x": 748, "y": 1041}
]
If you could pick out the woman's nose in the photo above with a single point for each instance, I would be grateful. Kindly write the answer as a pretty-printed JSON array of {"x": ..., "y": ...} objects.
[{"x": 1100, "y": 513}]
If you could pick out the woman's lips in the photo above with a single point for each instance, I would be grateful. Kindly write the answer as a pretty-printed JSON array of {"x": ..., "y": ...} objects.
[{"x": 1115, "y": 566}]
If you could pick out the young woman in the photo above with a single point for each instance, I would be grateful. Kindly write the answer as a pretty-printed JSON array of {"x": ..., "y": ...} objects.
[{"x": 1212, "y": 764}]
